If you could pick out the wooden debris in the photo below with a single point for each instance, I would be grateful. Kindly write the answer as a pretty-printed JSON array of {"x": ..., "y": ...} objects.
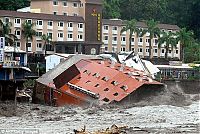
[{"x": 114, "y": 129}]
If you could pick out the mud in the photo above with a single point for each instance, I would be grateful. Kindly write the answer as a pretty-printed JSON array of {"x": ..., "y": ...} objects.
[{"x": 172, "y": 110}]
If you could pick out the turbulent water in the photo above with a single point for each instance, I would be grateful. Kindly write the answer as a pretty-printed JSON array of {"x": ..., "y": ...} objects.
[{"x": 172, "y": 110}]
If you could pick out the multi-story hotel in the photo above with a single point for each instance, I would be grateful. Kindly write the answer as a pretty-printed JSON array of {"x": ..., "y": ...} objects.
[{"x": 76, "y": 26}]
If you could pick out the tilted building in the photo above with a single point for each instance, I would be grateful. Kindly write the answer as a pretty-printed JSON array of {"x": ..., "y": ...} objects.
[{"x": 76, "y": 26}]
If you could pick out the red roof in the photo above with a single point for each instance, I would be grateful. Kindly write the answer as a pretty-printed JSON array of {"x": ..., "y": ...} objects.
[{"x": 104, "y": 81}]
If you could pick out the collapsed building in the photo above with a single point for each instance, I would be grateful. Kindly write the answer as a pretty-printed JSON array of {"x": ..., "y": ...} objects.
[{"x": 82, "y": 79}]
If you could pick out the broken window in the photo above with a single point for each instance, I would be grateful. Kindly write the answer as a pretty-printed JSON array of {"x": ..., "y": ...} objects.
[
  {"x": 115, "y": 83},
  {"x": 124, "y": 87},
  {"x": 87, "y": 82},
  {"x": 96, "y": 75},
  {"x": 115, "y": 94},
  {"x": 106, "y": 89},
  {"x": 87, "y": 72},
  {"x": 105, "y": 78},
  {"x": 106, "y": 100},
  {"x": 97, "y": 85}
]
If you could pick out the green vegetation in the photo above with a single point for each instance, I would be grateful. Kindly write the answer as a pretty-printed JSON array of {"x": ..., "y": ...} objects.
[
  {"x": 131, "y": 25},
  {"x": 153, "y": 30},
  {"x": 168, "y": 39},
  {"x": 5, "y": 31},
  {"x": 47, "y": 41},
  {"x": 28, "y": 32},
  {"x": 13, "y": 4}
]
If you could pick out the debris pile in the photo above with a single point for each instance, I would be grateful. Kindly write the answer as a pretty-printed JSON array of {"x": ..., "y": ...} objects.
[{"x": 114, "y": 129}]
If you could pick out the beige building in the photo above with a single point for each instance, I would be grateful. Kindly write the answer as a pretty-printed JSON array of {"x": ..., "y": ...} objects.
[
  {"x": 60, "y": 28},
  {"x": 114, "y": 41},
  {"x": 77, "y": 26}
]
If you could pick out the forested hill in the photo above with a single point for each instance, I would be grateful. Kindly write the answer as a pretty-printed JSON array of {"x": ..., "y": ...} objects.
[
  {"x": 13, "y": 4},
  {"x": 184, "y": 13}
]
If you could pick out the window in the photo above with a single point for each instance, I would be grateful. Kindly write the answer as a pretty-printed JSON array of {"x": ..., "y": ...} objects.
[
  {"x": 176, "y": 51},
  {"x": 29, "y": 44},
  {"x": 123, "y": 49},
  {"x": 123, "y": 39},
  {"x": 70, "y": 24},
  {"x": 39, "y": 45},
  {"x": 114, "y": 28},
  {"x": 80, "y": 25},
  {"x": 65, "y": 14},
  {"x": 132, "y": 49},
  {"x": 60, "y": 24},
  {"x": 106, "y": 48},
  {"x": 170, "y": 51},
  {"x": 140, "y": 39},
  {"x": 132, "y": 39},
  {"x": 60, "y": 35},
  {"x": 81, "y": 4},
  {"x": 70, "y": 36},
  {"x": 39, "y": 22},
  {"x": 75, "y": 14},
  {"x": 17, "y": 21},
  {"x": 163, "y": 50},
  {"x": 140, "y": 50},
  {"x": 147, "y": 50},
  {"x": 55, "y": 2},
  {"x": 18, "y": 44},
  {"x": 29, "y": 21},
  {"x": 17, "y": 32},
  {"x": 80, "y": 36},
  {"x": 105, "y": 27},
  {"x": 75, "y": 4},
  {"x": 6, "y": 19},
  {"x": 50, "y": 35},
  {"x": 156, "y": 50},
  {"x": 50, "y": 23},
  {"x": 38, "y": 34},
  {"x": 64, "y": 3},
  {"x": 114, "y": 38},
  {"x": 106, "y": 37},
  {"x": 156, "y": 41},
  {"x": 55, "y": 13},
  {"x": 148, "y": 40}
]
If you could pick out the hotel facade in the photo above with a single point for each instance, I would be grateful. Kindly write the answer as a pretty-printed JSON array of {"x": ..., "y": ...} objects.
[{"x": 76, "y": 26}]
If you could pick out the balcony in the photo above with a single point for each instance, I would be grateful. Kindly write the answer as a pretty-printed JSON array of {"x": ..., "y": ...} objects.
[
  {"x": 114, "y": 31},
  {"x": 80, "y": 30},
  {"x": 70, "y": 29},
  {"x": 105, "y": 41},
  {"x": 39, "y": 26},
  {"x": 60, "y": 39},
  {"x": 50, "y": 27}
]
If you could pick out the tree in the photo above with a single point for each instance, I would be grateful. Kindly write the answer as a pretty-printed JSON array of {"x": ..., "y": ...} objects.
[
  {"x": 111, "y": 9},
  {"x": 185, "y": 38},
  {"x": 5, "y": 31},
  {"x": 28, "y": 32},
  {"x": 47, "y": 41},
  {"x": 13, "y": 4},
  {"x": 153, "y": 30},
  {"x": 192, "y": 53},
  {"x": 132, "y": 28},
  {"x": 168, "y": 39}
]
